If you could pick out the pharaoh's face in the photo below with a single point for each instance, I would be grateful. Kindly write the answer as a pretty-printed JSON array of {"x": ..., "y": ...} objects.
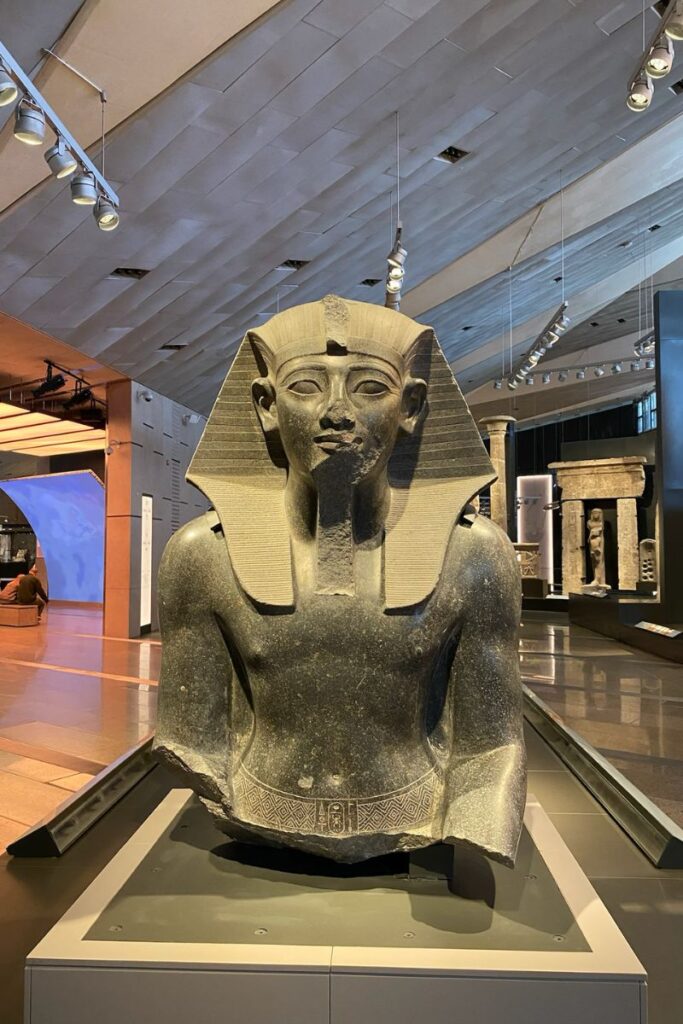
[{"x": 345, "y": 409}]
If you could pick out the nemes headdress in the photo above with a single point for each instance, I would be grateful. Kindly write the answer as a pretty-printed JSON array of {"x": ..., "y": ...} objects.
[{"x": 433, "y": 473}]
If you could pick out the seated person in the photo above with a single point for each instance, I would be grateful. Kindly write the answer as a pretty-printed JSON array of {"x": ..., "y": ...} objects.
[
  {"x": 30, "y": 590},
  {"x": 9, "y": 593}
]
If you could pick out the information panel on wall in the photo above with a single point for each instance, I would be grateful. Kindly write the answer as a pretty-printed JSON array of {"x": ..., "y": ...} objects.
[{"x": 146, "y": 561}]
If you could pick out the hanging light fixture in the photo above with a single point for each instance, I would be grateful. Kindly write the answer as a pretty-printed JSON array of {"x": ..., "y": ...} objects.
[
  {"x": 640, "y": 92},
  {"x": 661, "y": 58},
  {"x": 546, "y": 378},
  {"x": 83, "y": 189},
  {"x": 8, "y": 88},
  {"x": 599, "y": 371},
  {"x": 617, "y": 367},
  {"x": 106, "y": 214},
  {"x": 59, "y": 159},
  {"x": 562, "y": 376},
  {"x": 581, "y": 374},
  {"x": 497, "y": 384},
  {"x": 674, "y": 25},
  {"x": 29, "y": 123}
]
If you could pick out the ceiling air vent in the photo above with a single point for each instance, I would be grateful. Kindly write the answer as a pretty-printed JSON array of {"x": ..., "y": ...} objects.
[
  {"x": 136, "y": 272},
  {"x": 293, "y": 264},
  {"x": 370, "y": 282},
  {"x": 677, "y": 87},
  {"x": 654, "y": 227},
  {"x": 451, "y": 155},
  {"x": 171, "y": 346},
  {"x": 468, "y": 327}
]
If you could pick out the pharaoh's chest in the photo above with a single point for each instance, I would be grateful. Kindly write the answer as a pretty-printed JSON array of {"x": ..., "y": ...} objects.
[{"x": 334, "y": 630}]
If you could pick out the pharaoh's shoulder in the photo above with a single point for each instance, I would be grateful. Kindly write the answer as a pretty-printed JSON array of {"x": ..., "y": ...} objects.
[
  {"x": 192, "y": 552},
  {"x": 481, "y": 559}
]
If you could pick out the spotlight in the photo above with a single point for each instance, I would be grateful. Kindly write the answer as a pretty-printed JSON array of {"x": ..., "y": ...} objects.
[
  {"x": 640, "y": 93},
  {"x": 635, "y": 365},
  {"x": 83, "y": 191},
  {"x": 551, "y": 338},
  {"x": 562, "y": 376},
  {"x": 394, "y": 285},
  {"x": 106, "y": 214},
  {"x": 8, "y": 90},
  {"x": 51, "y": 383},
  {"x": 562, "y": 324},
  {"x": 617, "y": 367},
  {"x": 661, "y": 58},
  {"x": 599, "y": 371},
  {"x": 396, "y": 273},
  {"x": 674, "y": 27},
  {"x": 497, "y": 384},
  {"x": 580, "y": 374},
  {"x": 513, "y": 384},
  {"x": 546, "y": 378},
  {"x": 60, "y": 160},
  {"x": 649, "y": 364},
  {"x": 29, "y": 124},
  {"x": 79, "y": 397},
  {"x": 530, "y": 379}
]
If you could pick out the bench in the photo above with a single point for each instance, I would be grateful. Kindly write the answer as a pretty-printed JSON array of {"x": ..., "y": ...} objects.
[{"x": 18, "y": 614}]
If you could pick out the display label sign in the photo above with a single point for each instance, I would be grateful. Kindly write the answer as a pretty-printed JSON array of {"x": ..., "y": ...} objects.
[
  {"x": 146, "y": 561},
  {"x": 654, "y": 627}
]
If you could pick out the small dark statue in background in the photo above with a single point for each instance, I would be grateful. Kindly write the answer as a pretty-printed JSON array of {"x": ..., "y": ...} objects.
[{"x": 340, "y": 669}]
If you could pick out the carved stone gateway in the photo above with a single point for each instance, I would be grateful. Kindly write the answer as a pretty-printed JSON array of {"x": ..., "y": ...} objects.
[
  {"x": 596, "y": 479},
  {"x": 339, "y": 664}
]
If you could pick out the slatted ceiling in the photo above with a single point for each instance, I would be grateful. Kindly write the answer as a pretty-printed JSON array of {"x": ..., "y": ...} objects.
[
  {"x": 216, "y": 240},
  {"x": 534, "y": 289}
]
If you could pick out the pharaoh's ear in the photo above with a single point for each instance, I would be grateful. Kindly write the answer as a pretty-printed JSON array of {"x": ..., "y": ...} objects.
[
  {"x": 263, "y": 394},
  {"x": 413, "y": 404},
  {"x": 262, "y": 389}
]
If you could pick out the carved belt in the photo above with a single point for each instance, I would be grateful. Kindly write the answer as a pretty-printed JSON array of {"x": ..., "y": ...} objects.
[{"x": 405, "y": 808}]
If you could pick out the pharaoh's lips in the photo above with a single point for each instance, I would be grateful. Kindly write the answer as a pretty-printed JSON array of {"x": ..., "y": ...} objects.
[{"x": 334, "y": 440}]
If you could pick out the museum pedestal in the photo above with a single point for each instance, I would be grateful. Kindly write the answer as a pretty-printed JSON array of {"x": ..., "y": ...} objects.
[{"x": 185, "y": 926}]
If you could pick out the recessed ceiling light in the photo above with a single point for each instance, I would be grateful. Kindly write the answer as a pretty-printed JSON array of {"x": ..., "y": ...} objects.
[
  {"x": 136, "y": 272},
  {"x": 293, "y": 264},
  {"x": 451, "y": 155}
]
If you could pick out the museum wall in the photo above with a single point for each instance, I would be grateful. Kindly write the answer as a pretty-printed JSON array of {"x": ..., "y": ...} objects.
[
  {"x": 538, "y": 446},
  {"x": 151, "y": 440}
]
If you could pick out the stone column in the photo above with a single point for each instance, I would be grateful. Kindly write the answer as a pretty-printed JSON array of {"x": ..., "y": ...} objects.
[
  {"x": 496, "y": 428},
  {"x": 627, "y": 541},
  {"x": 573, "y": 547}
]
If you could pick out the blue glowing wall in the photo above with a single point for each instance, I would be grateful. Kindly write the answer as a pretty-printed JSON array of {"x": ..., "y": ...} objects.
[{"x": 66, "y": 512}]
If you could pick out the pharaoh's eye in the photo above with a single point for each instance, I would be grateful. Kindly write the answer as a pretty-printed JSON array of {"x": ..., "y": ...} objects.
[
  {"x": 304, "y": 387},
  {"x": 370, "y": 387}
]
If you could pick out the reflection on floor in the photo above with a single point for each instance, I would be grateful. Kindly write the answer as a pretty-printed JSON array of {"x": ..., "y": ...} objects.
[
  {"x": 625, "y": 703},
  {"x": 71, "y": 702}
]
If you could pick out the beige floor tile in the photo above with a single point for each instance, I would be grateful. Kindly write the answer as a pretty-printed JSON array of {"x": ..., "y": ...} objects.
[
  {"x": 9, "y": 831},
  {"x": 26, "y": 800},
  {"x": 73, "y": 782},
  {"x": 41, "y": 771}
]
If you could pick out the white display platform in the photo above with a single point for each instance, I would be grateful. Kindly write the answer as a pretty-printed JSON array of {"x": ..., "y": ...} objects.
[{"x": 170, "y": 880}]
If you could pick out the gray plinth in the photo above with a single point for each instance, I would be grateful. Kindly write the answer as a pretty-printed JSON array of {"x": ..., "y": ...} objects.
[{"x": 184, "y": 926}]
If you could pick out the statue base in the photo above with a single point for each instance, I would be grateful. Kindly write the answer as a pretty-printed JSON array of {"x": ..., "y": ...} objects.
[
  {"x": 182, "y": 925},
  {"x": 596, "y": 589}
]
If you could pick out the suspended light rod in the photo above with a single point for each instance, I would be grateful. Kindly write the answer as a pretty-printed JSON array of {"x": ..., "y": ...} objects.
[
  {"x": 84, "y": 78},
  {"x": 17, "y": 74}
]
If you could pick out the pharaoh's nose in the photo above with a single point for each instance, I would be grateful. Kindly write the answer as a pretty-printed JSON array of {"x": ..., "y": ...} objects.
[{"x": 337, "y": 416}]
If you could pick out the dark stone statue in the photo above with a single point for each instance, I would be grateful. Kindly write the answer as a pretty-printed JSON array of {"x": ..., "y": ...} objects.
[{"x": 340, "y": 669}]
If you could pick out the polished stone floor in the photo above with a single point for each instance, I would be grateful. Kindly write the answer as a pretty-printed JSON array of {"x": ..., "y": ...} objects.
[
  {"x": 71, "y": 702},
  {"x": 624, "y": 702}
]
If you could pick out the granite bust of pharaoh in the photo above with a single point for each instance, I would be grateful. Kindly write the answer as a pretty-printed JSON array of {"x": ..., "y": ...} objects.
[{"x": 339, "y": 663}]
